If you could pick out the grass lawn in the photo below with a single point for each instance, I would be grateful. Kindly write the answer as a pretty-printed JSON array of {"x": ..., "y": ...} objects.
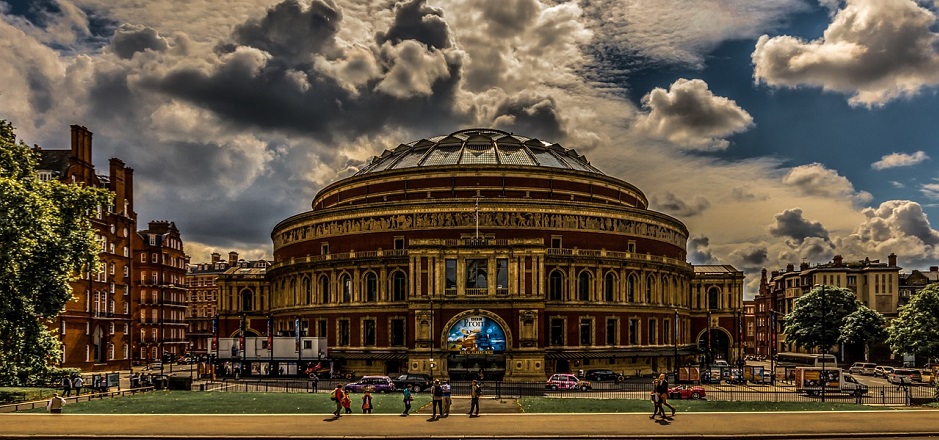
[
  {"x": 186, "y": 402},
  {"x": 32, "y": 393}
]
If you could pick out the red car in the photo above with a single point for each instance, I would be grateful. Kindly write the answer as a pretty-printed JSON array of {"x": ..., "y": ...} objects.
[{"x": 686, "y": 392}]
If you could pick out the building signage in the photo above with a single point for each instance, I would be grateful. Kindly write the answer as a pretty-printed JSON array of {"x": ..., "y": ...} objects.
[{"x": 476, "y": 334}]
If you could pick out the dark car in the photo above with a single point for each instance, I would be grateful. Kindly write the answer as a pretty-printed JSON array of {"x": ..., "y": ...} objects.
[
  {"x": 375, "y": 384},
  {"x": 418, "y": 382},
  {"x": 603, "y": 375}
]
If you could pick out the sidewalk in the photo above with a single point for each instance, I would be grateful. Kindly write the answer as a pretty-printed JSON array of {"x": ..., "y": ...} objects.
[{"x": 788, "y": 425}]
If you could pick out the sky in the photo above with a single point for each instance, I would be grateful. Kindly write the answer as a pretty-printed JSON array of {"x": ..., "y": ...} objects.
[{"x": 778, "y": 131}]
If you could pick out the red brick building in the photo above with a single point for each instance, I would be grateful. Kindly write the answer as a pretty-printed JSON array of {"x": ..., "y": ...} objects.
[
  {"x": 95, "y": 328},
  {"x": 160, "y": 306},
  {"x": 486, "y": 251}
]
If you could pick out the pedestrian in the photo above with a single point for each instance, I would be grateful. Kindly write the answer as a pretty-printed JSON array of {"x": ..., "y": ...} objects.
[
  {"x": 55, "y": 404},
  {"x": 77, "y": 383},
  {"x": 336, "y": 397},
  {"x": 367, "y": 402},
  {"x": 446, "y": 398},
  {"x": 347, "y": 402},
  {"x": 475, "y": 392},
  {"x": 662, "y": 390},
  {"x": 436, "y": 392},
  {"x": 66, "y": 386},
  {"x": 407, "y": 400},
  {"x": 314, "y": 382},
  {"x": 656, "y": 400}
]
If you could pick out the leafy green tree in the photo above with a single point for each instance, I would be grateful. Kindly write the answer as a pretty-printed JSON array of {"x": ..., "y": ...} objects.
[
  {"x": 863, "y": 326},
  {"x": 916, "y": 329},
  {"x": 817, "y": 317},
  {"x": 45, "y": 237}
]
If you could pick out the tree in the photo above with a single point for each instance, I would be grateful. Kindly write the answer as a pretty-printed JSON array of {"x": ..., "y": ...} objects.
[
  {"x": 916, "y": 329},
  {"x": 817, "y": 317},
  {"x": 45, "y": 237},
  {"x": 863, "y": 326}
]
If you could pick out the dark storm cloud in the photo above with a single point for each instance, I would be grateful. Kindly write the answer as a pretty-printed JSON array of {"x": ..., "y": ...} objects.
[
  {"x": 672, "y": 204},
  {"x": 532, "y": 115},
  {"x": 279, "y": 90},
  {"x": 292, "y": 32},
  {"x": 110, "y": 96},
  {"x": 754, "y": 257},
  {"x": 416, "y": 21},
  {"x": 130, "y": 39},
  {"x": 699, "y": 251},
  {"x": 790, "y": 223}
]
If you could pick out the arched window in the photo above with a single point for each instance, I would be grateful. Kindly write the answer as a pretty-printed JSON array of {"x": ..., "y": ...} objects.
[
  {"x": 631, "y": 288},
  {"x": 650, "y": 289},
  {"x": 346, "y": 282},
  {"x": 398, "y": 286},
  {"x": 324, "y": 289},
  {"x": 666, "y": 293},
  {"x": 713, "y": 295},
  {"x": 307, "y": 290},
  {"x": 609, "y": 287},
  {"x": 247, "y": 300},
  {"x": 583, "y": 286},
  {"x": 555, "y": 286},
  {"x": 371, "y": 287}
]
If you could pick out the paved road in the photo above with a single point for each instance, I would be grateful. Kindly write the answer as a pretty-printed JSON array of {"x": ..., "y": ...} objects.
[{"x": 789, "y": 425}]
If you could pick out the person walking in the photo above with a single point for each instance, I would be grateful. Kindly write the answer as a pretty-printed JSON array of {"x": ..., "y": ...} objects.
[
  {"x": 347, "y": 402},
  {"x": 336, "y": 397},
  {"x": 475, "y": 392},
  {"x": 407, "y": 400},
  {"x": 662, "y": 390},
  {"x": 66, "y": 386},
  {"x": 656, "y": 400},
  {"x": 55, "y": 404},
  {"x": 445, "y": 387},
  {"x": 437, "y": 403},
  {"x": 367, "y": 402},
  {"x": 77, "y": 383}
]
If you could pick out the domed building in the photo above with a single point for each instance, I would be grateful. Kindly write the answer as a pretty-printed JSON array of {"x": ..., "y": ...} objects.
[{"x": 486, "y": 252}]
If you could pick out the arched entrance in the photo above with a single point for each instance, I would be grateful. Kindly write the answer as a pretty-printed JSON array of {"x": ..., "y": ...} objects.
[
  {"x": 475, "y": 342},
  {"x": 717, "y": 346}
]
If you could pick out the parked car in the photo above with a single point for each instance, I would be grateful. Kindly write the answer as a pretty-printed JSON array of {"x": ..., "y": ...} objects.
[
  {"x": 375, "y": 384},
  {"x": 901, "y": 376},
  {"x": 418, "y": 382},
  {"x": 686, "y": 392},
  {"x": 155, "y": 366},
  {"x": 917, "y": 374},
  {"x": 567, "y": 382},
  {"x": 882, "y": 371},
  {"x": 604, "y": 375},
  {"x": 865, "y": 368}
]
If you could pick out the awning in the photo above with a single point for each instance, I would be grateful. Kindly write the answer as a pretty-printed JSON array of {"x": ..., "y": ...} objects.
[
  {"x": 368, "y": 356},
  {"x": 621, "y": 353}
]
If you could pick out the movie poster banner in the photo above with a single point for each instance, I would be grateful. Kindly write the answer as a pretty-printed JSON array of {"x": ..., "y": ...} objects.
[{"x": 476, "y": 334}]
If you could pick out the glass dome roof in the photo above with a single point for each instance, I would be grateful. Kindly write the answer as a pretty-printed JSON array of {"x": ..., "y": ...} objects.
[{"x": 478, "y": 146}]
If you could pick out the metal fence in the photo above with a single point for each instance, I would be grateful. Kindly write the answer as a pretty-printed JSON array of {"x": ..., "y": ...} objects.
[{"x": 877, "y": 395}]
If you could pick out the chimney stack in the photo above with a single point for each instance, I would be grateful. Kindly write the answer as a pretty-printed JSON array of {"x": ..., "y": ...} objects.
[
  {"x": 838, "y": 259},
  {"x": 892, "y": 260},
  {"x": 232, "y": 258},
  {"x": 216, "y": 257}
]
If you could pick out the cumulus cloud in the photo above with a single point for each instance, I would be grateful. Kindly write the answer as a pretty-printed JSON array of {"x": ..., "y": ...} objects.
[
  {"x": 898, "y": 226},
  {"x": 873, "y": 50},
  {"x": 691, "y": 116},
  {"x": 699, "y": 251},
  {"x": 791, "y": 224},
  {"x": 750, "y": 259},
  {"x": 130, "y": 39},
  {"x": 672, "y": 204},
  {"x": 817, "y": 180},
  {"x": 895, "y": 160}
]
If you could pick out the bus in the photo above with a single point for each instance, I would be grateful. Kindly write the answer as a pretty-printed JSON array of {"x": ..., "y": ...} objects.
[{"x": 806, "y": 359}]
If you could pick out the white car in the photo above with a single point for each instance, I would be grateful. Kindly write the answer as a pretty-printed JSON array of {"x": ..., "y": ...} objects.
[
  {"x": 866, "y": 368},
  {"x": 881, "y": 371}
]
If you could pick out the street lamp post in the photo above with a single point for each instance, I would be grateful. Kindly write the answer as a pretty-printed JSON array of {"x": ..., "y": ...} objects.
[{"x": 824, "y": 374}]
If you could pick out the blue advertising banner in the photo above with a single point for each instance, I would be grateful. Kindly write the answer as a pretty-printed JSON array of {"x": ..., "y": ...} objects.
[{"x": 476, "y": 335}]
